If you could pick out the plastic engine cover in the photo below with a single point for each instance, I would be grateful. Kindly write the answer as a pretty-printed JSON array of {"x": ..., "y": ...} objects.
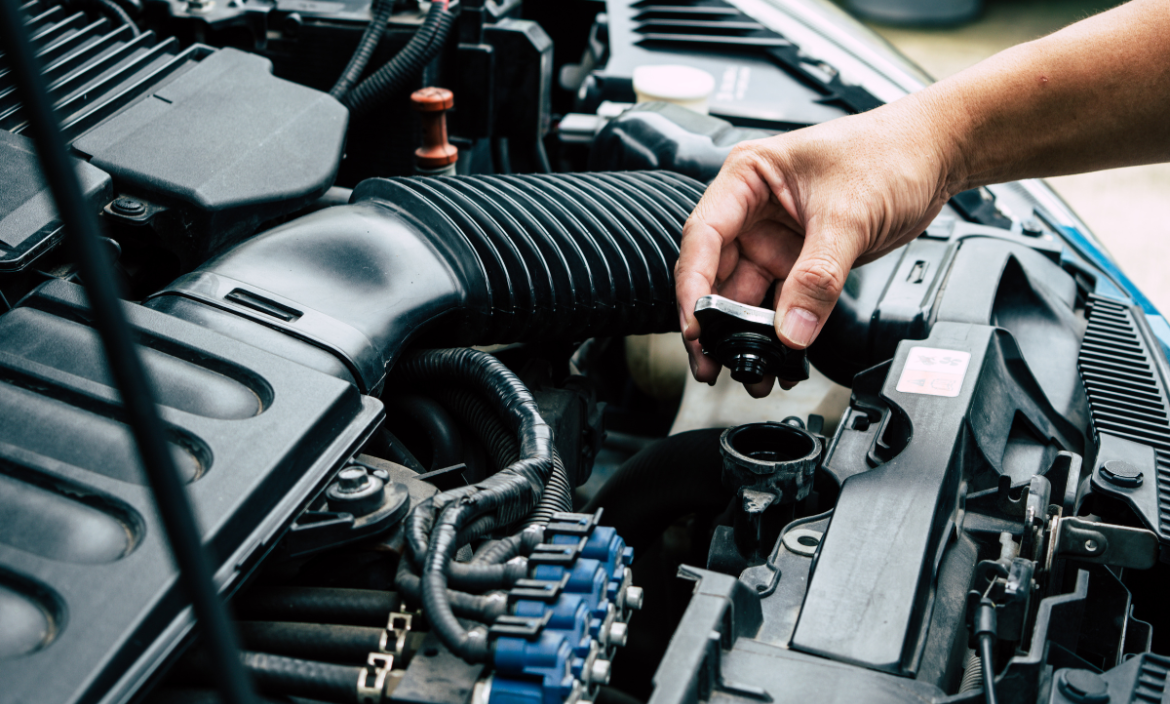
[{"x": 89, "y": 597}]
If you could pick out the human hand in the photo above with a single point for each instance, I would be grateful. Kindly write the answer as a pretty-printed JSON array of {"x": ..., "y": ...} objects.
[{"x": 801, "y": 209}]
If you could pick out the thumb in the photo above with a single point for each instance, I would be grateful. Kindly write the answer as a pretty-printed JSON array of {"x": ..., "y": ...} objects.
[{"x": 813, "y": 285}]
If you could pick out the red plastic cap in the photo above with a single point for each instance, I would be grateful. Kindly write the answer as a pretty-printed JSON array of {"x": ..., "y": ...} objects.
[{"x": 433, "y": 103}]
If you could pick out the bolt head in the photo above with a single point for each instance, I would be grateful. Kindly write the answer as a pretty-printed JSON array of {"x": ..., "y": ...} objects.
[{"x": 352, "y": 479}]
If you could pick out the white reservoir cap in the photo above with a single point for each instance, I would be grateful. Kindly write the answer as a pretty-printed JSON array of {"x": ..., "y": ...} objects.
[{"x": 687, "y": 86}]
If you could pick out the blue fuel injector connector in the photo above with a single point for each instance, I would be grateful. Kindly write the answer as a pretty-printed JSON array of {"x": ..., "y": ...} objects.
[{"x": 567, "y": 619}]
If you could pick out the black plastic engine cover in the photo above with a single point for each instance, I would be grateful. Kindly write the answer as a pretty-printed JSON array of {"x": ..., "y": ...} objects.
[
  {"x": 207, "y": 141},
  {"x": 226, "y": 146},
  {"x": 89, "y": 598},
  {"x": 28, "y": 218}
]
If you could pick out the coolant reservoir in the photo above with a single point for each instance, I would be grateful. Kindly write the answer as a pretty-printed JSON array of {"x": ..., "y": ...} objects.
[{"x": 687, "y": 86}]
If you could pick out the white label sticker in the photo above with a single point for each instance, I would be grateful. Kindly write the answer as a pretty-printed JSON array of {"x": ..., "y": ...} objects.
[{"x": 934, "y": 372}]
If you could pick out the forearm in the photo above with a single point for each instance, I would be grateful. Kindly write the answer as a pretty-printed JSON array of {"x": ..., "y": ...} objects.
[{"x": 1095, "y": 95}]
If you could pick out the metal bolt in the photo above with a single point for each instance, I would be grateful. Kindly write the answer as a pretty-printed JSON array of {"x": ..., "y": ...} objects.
[
  {"x": 634, "y": 597},
  {"x": 599, "y": 672},
  {"x": 619, "y": 633},
  {"x": 1091, "y": 545},
  {"x": 128, "y": 206},
  {"x": 352, "y": 479},
  {"x": 1032, "y": 227}
]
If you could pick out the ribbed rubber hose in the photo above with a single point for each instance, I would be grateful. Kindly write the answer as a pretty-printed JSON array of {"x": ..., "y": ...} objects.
[
  {"x": 318, "y": 641},
  {"x": 395, "y": 76},
  {"x": 365, "y": 48},
  {"x": 355, "y": 607},
  {"x": 278, "y": 674},
  {"x": 476, "y": 414},
  {"x": 675, "y": 476},
  {"x": 554, "y": 256},
  {"x": 433, "y": 528}
]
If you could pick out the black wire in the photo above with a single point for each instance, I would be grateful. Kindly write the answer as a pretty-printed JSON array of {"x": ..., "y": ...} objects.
[
  {"x": 81, "y": 232},
  {"x": 985, "y": 629},
  {"x": 382, "y": 10},
  {"x": 986, "y": 657}
]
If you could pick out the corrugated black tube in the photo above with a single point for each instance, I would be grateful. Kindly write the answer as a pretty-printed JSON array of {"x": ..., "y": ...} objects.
[
  {"x": 554, "y": 256},
  {"x": 558, "y": 495},
  {"x": 673, "y": 477},
  {"x": 501, "y": 445},
  {"x": 433, "y": 528},
  {"x": 356, "y": 607},
  {"x": 485, "y": 608},
  {"x": 395, "y": 76},
  {"x": 278, "y": 674},
  {"x": 365, "y": 48},
  {"x": 505, "y": 549},
  {"x": 318, "y": 641}
]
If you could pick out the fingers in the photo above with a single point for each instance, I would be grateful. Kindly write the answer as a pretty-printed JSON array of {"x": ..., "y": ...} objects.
[
  {"x": 730, "y": 204},
  {"x": 811, "y": 289}
]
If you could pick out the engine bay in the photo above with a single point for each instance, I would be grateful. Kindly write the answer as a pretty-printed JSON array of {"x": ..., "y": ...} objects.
[{"x": 401, "y": 274}]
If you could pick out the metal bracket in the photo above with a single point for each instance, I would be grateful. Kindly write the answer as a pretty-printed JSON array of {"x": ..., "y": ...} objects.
[
  {"x": 393, "y": 638},
  {"x": 378, "y": 666},
  {"x": 1106, "y": 544}
]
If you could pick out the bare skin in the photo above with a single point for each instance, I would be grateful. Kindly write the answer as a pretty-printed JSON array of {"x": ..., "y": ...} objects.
[{"x": 804, "y": 207}]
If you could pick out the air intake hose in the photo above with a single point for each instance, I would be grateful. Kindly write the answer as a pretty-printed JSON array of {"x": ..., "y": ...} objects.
[{"x": 450, "y": 261}]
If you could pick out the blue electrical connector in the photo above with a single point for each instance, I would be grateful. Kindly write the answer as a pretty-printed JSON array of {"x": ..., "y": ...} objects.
[{"x": 567, "y": 619}]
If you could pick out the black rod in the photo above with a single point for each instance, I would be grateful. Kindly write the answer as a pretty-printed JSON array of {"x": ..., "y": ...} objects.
[{"x": 81, "y": 234}]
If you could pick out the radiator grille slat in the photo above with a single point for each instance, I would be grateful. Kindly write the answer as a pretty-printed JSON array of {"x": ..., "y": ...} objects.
[{"x": 1127, "y": 395}]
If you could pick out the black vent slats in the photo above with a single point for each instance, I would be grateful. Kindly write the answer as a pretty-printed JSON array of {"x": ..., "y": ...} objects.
[
  {"x": 700, "y": 23},
  {"x": 1126, "y": 389},
  {"x": 1151, "y": 681},
  {"x": 93, "y": 68}
]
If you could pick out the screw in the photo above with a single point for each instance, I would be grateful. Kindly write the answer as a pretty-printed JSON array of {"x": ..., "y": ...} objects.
[
  {"x": 1091, "y": 545},
  {"x": 352, "y": 479},
  {"x": 128, "y": 206}
]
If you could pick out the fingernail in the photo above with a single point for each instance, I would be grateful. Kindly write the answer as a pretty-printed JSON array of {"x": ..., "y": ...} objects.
[{"x": 799, "y": 326}]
